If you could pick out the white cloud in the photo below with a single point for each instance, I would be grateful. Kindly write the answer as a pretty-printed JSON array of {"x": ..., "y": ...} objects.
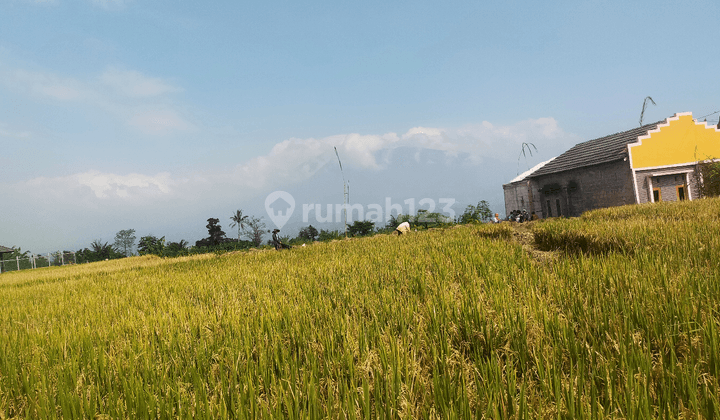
[
  {"x": 138, "y": 100},
  {"x": 58, "y": 91},
  {"x": 136, "y": 85},
  {"x": 110, "y": 4},
  {"x": 95, "y": 201},
  {"x": 7, "y": 132},
  {"x": 104, "y": 185},
  {"x": 295, "y": 160},
  {"x": 158, "y": 121},
  {"x": 101, "y": 185},
  {"x": 45, "y": 85}
]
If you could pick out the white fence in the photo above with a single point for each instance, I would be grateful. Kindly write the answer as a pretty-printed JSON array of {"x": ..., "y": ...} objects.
[{"x": 36, "y": 261}]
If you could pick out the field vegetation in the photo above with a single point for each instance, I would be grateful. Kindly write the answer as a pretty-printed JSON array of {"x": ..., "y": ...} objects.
[{"x": 459, "y": 322}]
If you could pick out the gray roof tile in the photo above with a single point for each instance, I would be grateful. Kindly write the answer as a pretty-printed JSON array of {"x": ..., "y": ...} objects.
[{"x": 593, "y": 152}]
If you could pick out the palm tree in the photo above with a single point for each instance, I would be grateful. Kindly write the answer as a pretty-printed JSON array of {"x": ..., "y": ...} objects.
[
  {"x": 102, "y": 250},
  {"x": 238, "y": 220}
]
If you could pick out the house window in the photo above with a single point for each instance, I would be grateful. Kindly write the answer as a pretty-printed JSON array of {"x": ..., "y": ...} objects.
[
  {"x": 522, "y": 202},
  {"x": 681, "y": 193},
  {"x": 549, "y": 209},
  {"x": 657, "y": 197},
  {"x": 557, "y": 203}
]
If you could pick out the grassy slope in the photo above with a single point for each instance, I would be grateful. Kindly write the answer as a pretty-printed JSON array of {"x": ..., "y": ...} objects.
[{"x": 445, "y": 323}]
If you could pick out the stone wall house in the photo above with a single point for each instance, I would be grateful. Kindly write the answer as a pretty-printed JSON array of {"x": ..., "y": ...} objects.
[
  {"x": 654, "y": 162},
  {"x": 518, "y": 192}
]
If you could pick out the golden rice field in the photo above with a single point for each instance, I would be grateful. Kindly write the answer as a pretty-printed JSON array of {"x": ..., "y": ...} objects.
[{"x": 453, "y": 323}]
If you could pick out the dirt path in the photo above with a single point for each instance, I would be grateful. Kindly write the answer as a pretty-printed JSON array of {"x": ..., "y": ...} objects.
[{"x": 522, "y": 234}]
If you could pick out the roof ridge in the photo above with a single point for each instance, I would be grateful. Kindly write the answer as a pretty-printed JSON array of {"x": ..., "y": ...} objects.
[
  {"x": 596, "y": 151},
  {"x": 530, "y": 171},
  {"x": 625, "y": 131}
]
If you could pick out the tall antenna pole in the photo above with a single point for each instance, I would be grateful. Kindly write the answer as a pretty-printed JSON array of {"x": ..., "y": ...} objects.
[
  {"x": 642, "y": 114},
  {"x": 346, "y": 190},
  {"x": 522, "y": 153}
]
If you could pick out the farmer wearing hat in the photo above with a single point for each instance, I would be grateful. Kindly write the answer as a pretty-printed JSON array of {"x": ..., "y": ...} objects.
[
  {"x": 403, "y": 228},
  {"x": 276, "y": 241}
]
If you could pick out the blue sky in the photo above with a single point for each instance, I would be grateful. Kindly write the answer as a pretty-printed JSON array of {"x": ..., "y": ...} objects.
[{"x": 118, "y": 114}]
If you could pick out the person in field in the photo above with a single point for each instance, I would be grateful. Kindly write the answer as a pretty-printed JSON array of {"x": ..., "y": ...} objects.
[
  {"x": 496, "y": 218},
  {"x": 403, "y": 228},
  {"x": 525, "y": 216},
  {"x": 276, "y": 240}
]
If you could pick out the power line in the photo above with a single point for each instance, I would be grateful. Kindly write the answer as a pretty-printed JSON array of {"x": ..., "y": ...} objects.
[{"x": 707, "y": 115}]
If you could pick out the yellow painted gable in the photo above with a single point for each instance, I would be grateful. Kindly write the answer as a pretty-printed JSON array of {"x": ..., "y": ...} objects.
[{"x": 679, "y": 141}]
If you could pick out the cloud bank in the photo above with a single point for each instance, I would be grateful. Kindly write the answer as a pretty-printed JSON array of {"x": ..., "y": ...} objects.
[
  {"x": 295, "y": 160},
  {"x": 62, "y": 209},
  {"x": 142, "y": 102}
]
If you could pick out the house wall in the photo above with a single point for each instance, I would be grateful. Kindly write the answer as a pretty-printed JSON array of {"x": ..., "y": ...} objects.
[
  {"x": 681, "y": 140},
  {"x": 516, "y": 196},
  {"x": 667, "y": 181},
  {"x": 579, "y": 190},
  {"x": 667, "y": 156}
]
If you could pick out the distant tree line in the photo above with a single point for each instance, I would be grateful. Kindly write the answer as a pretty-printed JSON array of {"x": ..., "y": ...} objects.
[
  {"x": 251, "y": 232},
  {"x": 98, "y": 251},
  {"x": 479, "y": 213}
]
